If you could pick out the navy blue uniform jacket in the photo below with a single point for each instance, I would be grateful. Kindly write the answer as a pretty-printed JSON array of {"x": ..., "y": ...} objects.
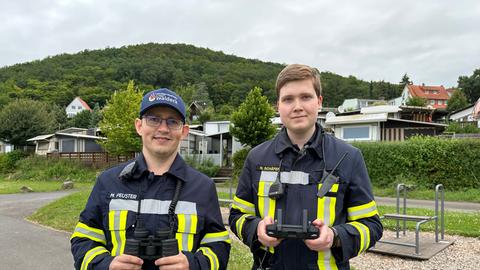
[
  {"x": 348, "y": 206},
  {"x": 109, "y": 217}
]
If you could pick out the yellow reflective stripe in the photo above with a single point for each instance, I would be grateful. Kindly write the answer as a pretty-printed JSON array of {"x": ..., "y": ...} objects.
[
  {"x": 261, "y": 199},
  {"x": 326, "y": 261},
  {"x": 362, "y": 211},
  {"x": 212, "y": 257},
  {"x": 243, "y": 206},
  {"x": 239, "y": 225},
  {"x": 326, "y": 206},
  {"x": 266, "y": 206},
  {"x": 90, "y": 255},
  {"x": 364, "y": 235},
  {"x": 84, "y": 231},
  {"x": 326, "y": 213},
  {"x": 187, "y": 223},
  {"x": 181, "y": 222},
  {"x": 187, "y": 227},
  {"x": 117, "y": 223},
  {"x": 193, "y": 223},
  {"x": 216, "y": 237},
  {"x": 270, "y": 249},
  {"x": 179, "y": 237},
  {"x": 185, "y": 241}
]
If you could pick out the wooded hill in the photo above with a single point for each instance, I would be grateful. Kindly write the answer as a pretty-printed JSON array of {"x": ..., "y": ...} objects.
[{"x": 95, "y": 74}]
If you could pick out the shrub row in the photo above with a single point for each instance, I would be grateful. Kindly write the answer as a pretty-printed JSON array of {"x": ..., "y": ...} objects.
[
  {"x": 425, "y": 162},
  {"x": 42, "y": 169}
]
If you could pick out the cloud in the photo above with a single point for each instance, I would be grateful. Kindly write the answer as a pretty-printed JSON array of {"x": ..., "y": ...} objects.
[{"x": 435, "y": 42}]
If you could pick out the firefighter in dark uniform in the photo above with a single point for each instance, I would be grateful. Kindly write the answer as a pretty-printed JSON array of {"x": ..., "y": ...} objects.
[
  {"x": 156, "y": 191},
  {"x": 312, "y": 171}
]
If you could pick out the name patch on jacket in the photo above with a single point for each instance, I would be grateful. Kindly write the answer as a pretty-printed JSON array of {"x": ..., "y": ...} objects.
[
  {"x": 268, "y": 168},
  {"x": 123, "y": 196}
]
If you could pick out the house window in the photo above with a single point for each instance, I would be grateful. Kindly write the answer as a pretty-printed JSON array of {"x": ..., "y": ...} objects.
[
  {"x": 73, "y": 107},
  {"x": 432, "y": 102},
  {"x": 356, "y": 133}
]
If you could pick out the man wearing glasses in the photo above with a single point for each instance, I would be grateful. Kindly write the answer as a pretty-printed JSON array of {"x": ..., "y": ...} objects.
[{"x": 157, "y": 193}]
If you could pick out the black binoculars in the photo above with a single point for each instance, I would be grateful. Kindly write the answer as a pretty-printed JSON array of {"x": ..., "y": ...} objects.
[{"x": 151, "y": 247}]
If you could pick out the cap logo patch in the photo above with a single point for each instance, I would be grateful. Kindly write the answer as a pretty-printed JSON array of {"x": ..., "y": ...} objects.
[{"x": 162, "y": 96}]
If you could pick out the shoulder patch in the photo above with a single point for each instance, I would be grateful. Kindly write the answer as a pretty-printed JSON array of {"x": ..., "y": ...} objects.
[{"x": 127, "y": 171}]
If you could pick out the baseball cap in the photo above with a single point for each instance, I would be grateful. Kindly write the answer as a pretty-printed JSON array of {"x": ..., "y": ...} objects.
[{"x": 163, "y": 97}]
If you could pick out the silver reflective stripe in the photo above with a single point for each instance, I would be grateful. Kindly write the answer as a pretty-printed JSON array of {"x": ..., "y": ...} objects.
[
  {"x": 327, "y": 254},
  {"x": 116, "y": 228},
  {"x": 249, "y": 210},
  {"x": 294, "y": 177},
  {"x": 121, "y": 204},
  {"x": 151, "y": 206},
  {"x": 185, "y": 241},
  {"x": 188, "y": 224},
  {"x": 188, "y": 208},
  {"x": 363, "y": 211},
  {"x": 267, "y": 176},
  {"x": 326, "y": 209},
  {"x": 90, "y": 233},
  {"x": 212, "y": 257},
  {"x": 214, "y": 239}
]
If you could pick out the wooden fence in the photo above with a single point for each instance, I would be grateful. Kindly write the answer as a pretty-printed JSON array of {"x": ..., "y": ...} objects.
[{"x": 93, "y": 159}]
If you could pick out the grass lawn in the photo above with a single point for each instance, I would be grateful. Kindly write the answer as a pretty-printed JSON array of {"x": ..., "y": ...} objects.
[{"x": 63, "y": 214}]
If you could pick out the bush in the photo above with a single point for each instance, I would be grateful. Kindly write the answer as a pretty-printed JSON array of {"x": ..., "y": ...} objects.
[
  {"x": 424, "y": 161},
  {"x": 42, "y": 169},
  {"x": 206, "y": 166},
  {"x": 8, "y": 161},
  {"x": 238, "y": 161}
]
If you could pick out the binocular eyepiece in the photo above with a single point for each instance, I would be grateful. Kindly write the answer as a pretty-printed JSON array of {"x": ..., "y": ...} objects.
[{"x": 151, "y": 247}]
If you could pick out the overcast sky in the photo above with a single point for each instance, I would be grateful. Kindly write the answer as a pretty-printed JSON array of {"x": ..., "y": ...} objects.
[{"x": 433, "y": 41}]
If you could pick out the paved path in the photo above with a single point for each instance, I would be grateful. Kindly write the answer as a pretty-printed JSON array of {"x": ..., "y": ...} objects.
[
  {"x": 25, "y": 245},
  {"x": 449, "y": 206}
]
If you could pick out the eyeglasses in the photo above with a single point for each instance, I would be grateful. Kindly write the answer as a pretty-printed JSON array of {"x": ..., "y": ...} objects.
[{"x": 155, "y": 121}]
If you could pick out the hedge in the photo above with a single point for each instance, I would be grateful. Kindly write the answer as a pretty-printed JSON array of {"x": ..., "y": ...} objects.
[{"x": 425, "y": 162}]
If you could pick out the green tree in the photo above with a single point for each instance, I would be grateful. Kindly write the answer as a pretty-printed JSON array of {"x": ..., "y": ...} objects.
[
  {"x": 201, "y": 95},
  {"x": 23, "y": 119},
  {"x": 118, "y": 121},
  {"x": 251, "y": 122},
  {"x": 61, "y": 119},
  {"x": 81, "y": 119},
  {"x": 457, "y": 101},
  {"x": 470, "y": 86},
  {"x": 206, "y": 115},
  {"x": 186, "y": 93},
  {"x": 416, "y": 101},
  {"x": 405, "y": 80},
  {"x": 95, "y": 116}
]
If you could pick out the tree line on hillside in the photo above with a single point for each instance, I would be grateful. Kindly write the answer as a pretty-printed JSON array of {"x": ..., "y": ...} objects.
[{"x": 95, "y": 75}]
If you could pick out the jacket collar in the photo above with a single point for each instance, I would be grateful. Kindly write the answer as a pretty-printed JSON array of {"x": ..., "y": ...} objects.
[
  {"x": 178, "y": 168},
  {"x": 282, "y": 141}
]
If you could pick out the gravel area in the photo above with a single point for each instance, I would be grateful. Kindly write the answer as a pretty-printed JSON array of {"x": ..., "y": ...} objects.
[{"x": 463, "y": 254}]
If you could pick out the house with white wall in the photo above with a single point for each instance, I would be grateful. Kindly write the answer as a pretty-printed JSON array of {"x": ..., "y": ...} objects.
[{"x": 77, "y": 105}]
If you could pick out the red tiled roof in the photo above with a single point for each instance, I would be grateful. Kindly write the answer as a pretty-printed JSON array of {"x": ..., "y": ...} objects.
[
  {"x": 422, "y": 91},
  {"x": 84, "y": 104}
]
